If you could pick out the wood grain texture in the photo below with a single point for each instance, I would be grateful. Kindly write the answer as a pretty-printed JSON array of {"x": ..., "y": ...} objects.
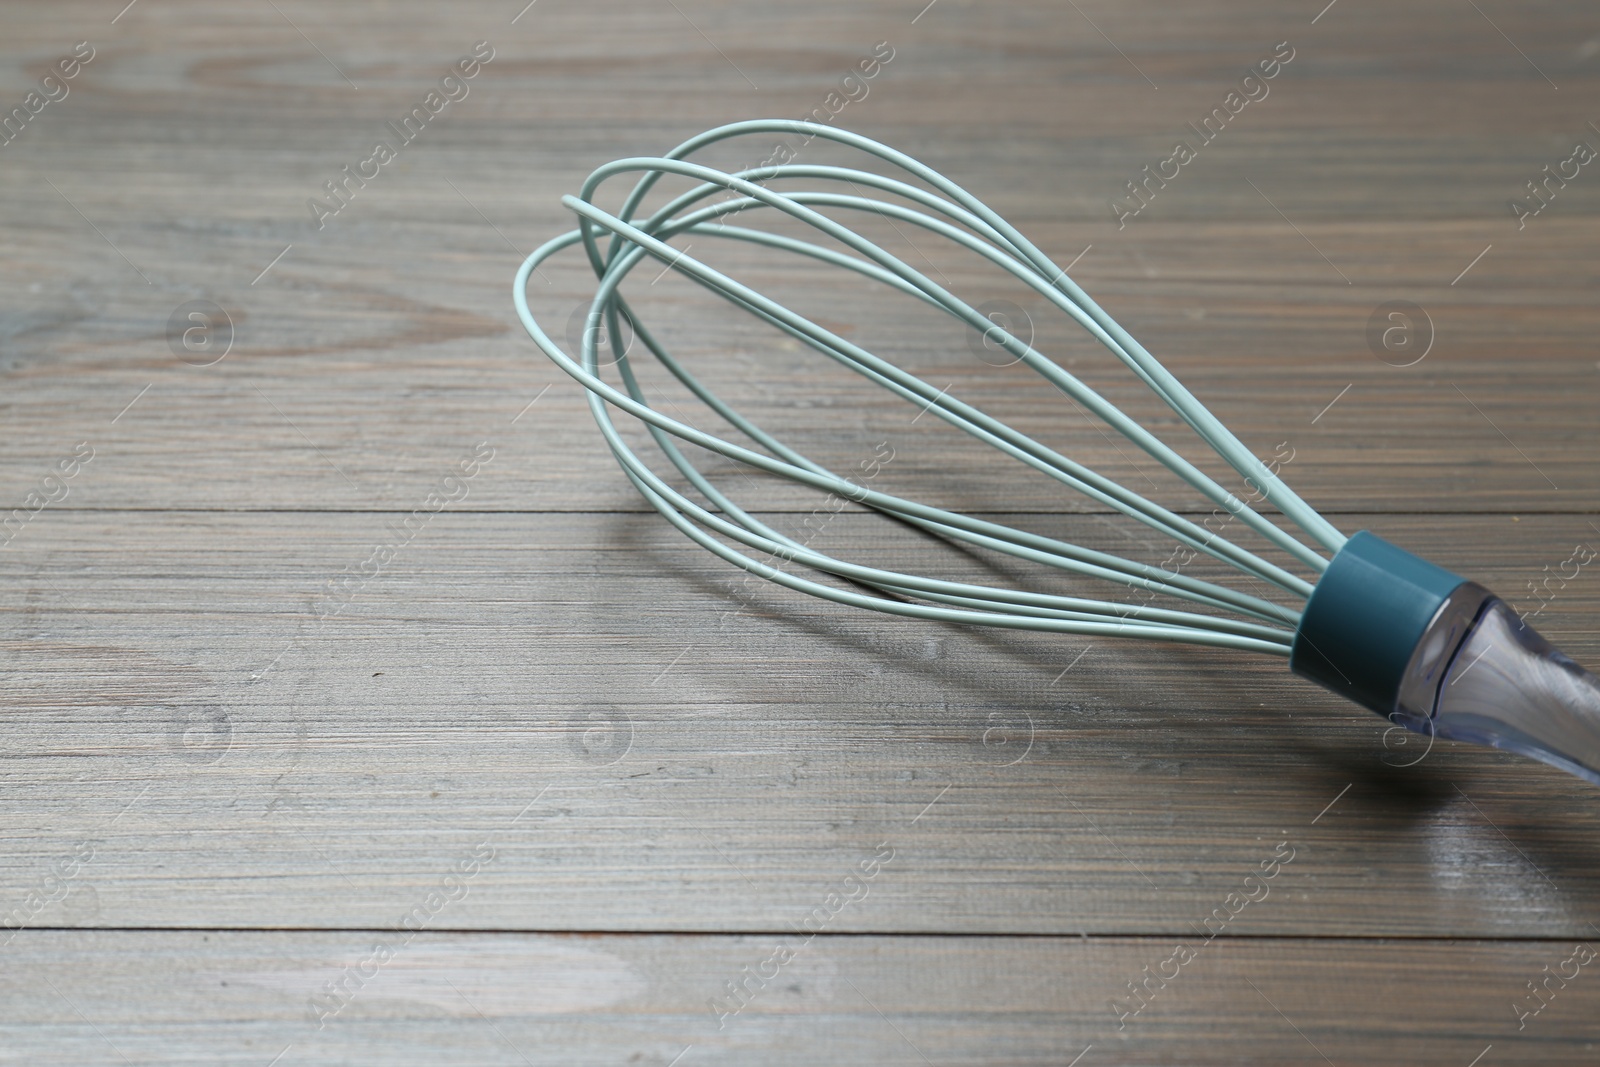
[
  {"x": 705, "y": 754},
  {"x": 602, "y": 772},
  {"x": 488, "y": 999}
]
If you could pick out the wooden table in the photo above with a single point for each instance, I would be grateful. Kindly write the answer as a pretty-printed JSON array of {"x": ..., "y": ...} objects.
[{"x": 550, "y": 784}]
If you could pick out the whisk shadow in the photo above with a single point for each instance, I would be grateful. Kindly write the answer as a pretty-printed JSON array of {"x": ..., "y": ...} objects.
[
  {"x": 1245, "y": 703},
  {"x": 1030, "y": 667}
]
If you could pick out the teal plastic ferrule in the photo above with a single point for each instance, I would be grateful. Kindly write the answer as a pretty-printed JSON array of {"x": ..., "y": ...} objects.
[{"x": 1362, "y": 628}]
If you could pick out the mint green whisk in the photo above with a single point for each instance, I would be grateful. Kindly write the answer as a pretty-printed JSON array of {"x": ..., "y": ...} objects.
[{"x": 1409, "y": 640}]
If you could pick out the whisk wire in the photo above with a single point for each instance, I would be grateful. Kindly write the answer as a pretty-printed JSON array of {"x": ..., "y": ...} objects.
[
  {"x": 1062, "y": 379},
  {"x": 999, "y": 607},
  {"x": 1000, "y": 244},
  {"x": 1130, "y": 351},
  {"x": 901, "y": 382},
  {"x": 996, "y": 433},
  {"x": 678, "y": 510},
  {"x": 1064, "y": 555}
]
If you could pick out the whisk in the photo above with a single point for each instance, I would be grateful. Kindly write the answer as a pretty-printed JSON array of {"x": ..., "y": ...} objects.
[{"x": 1426, "y": 648}]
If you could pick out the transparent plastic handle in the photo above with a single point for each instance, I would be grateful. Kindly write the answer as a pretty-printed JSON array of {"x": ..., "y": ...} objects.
[{"x": 1510, "y": 688}]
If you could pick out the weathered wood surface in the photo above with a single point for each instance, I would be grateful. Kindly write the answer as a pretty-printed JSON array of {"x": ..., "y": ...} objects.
[
  {"x": 489, "y": 999},
  {"x": 701, "y": 754},
  {"x": 206, "y": 781}
]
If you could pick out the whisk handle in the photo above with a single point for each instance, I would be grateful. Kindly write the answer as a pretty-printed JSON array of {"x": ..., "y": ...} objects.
[
  {"x": 1444, "y": 657},
  {"x": 1368, "y": 616},
  {"x": 1508, "y": 687}
]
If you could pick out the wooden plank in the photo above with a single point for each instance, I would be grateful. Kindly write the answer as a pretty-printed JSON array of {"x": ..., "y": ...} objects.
[
  {"x": 1495, "y": 419},
  {"x": 705, "y": 754},
  {"x": 243, "y": 998},
  {"x": 382, "y": 342}
]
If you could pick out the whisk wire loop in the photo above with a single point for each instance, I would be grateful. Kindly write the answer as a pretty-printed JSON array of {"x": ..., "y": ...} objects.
[
  {"x": 1062, "y": 379},
  {"x": 1167, "y": 386},
  {"x": 1267, "y": 625},
  {"x": 936, "y": 401}
]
